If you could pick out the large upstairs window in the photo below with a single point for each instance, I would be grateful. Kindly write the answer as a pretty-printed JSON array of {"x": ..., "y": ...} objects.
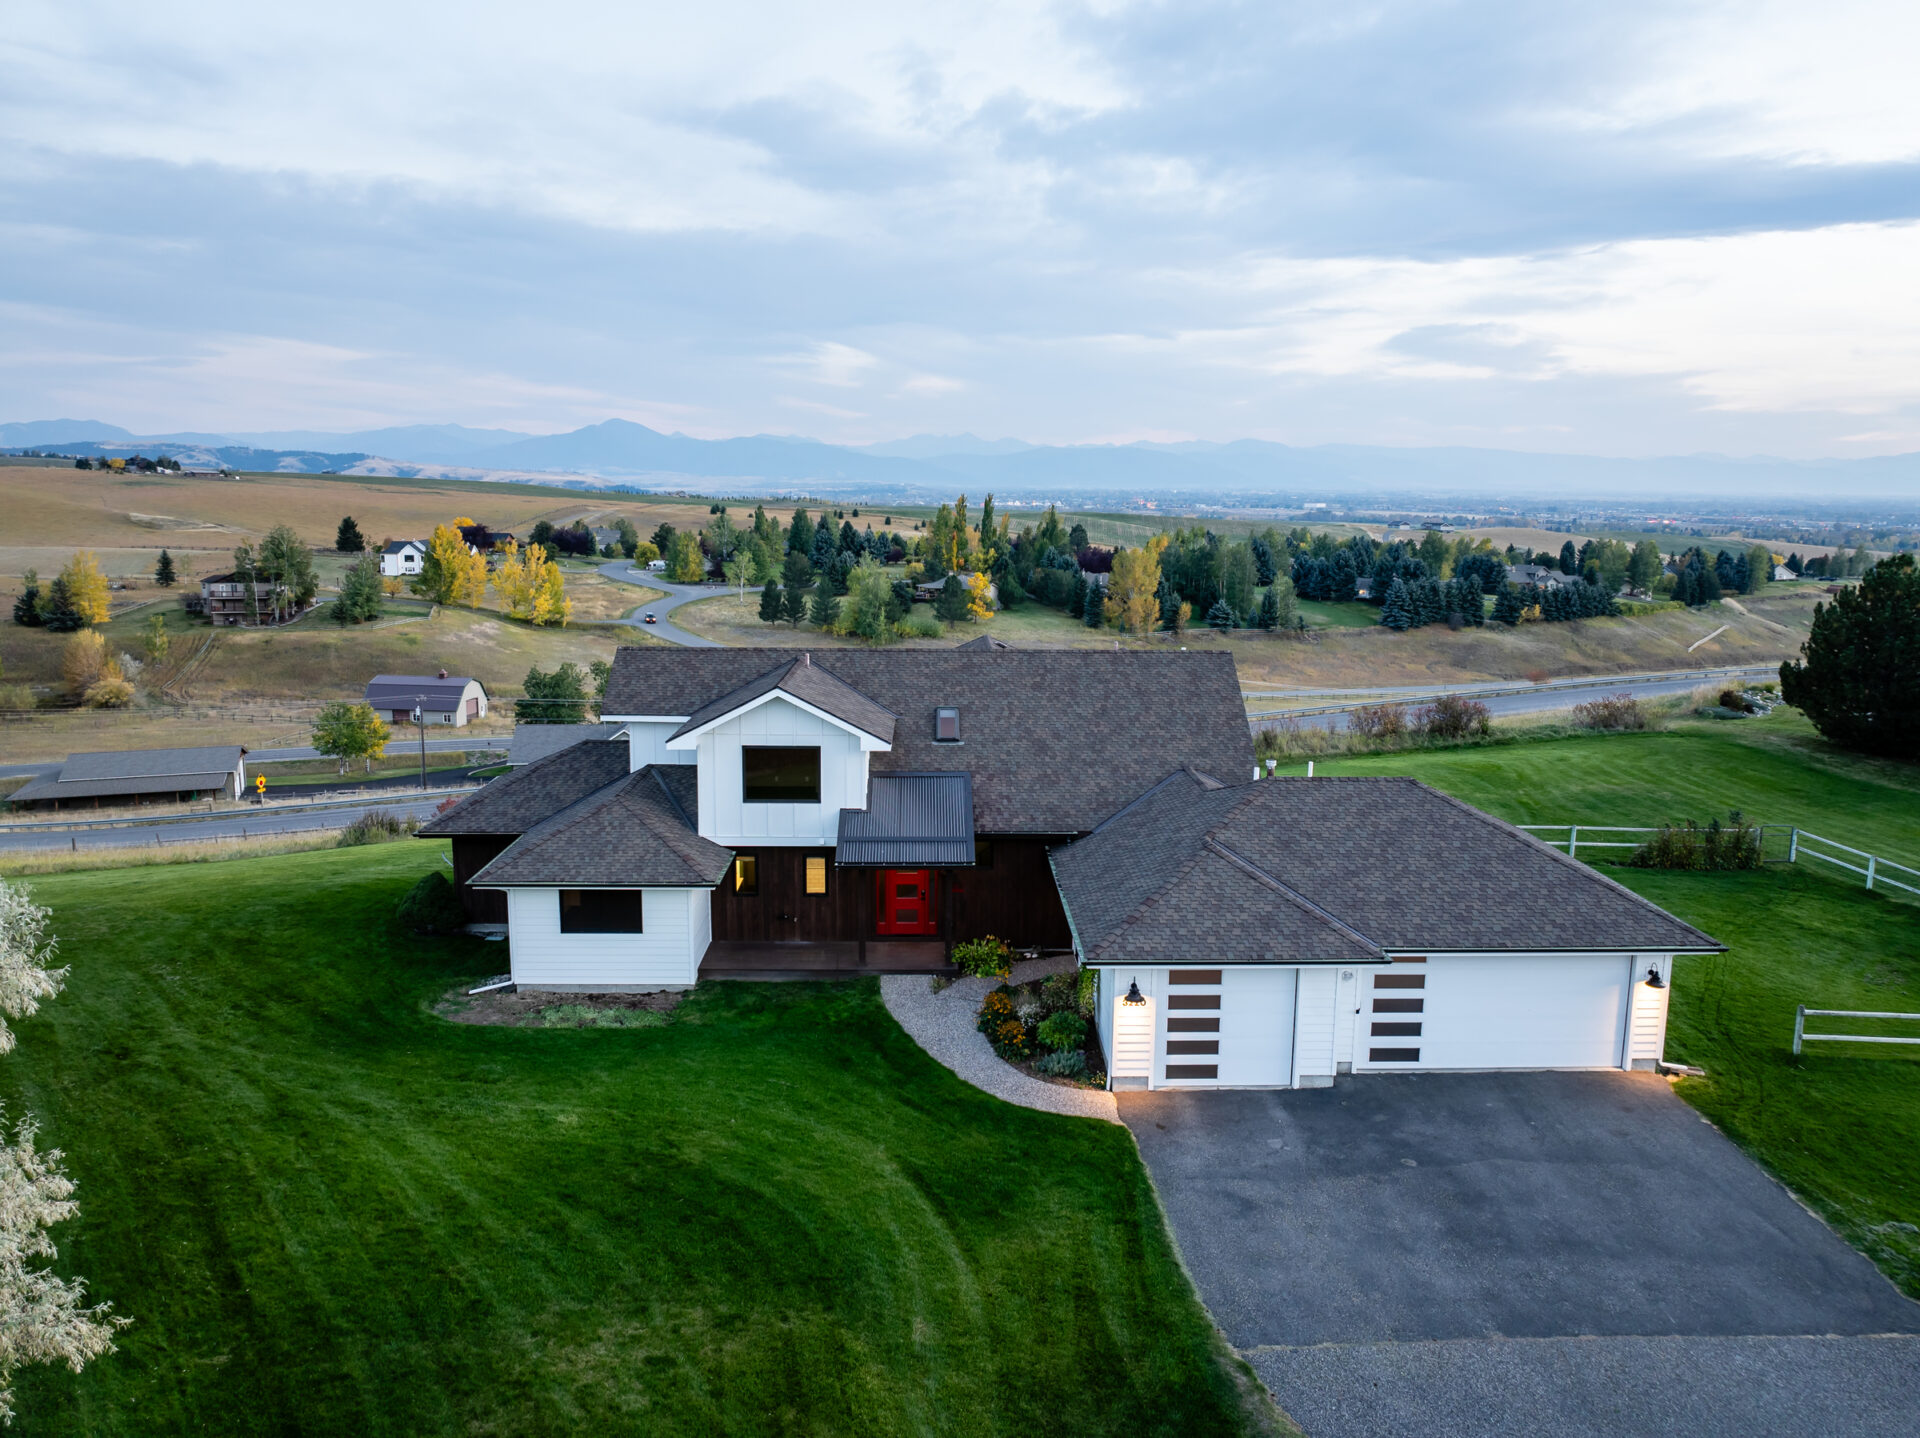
[{"x": 780, "y": 775}]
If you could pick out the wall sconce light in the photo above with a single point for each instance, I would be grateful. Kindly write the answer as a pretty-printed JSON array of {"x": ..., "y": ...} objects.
[
  {"x": 1654, "y": 981},
  {"x": 1134, "y": 996}
]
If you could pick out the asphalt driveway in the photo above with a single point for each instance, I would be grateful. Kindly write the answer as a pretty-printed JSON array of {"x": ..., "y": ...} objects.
[{"x": 1520, "y": 1254}]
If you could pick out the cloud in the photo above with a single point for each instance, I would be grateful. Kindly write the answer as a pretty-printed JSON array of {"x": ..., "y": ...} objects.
[{"x": 932, "y": 384}]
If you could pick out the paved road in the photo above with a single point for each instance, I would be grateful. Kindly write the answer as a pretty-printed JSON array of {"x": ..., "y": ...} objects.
[
  {"x": 395, "y": 746},
  {"x": 1488, "y": 1255},
  {"x": 1534, "y": 700},
  {"x": 239, "y": 825},
  {"x": 623, "y": 572}
]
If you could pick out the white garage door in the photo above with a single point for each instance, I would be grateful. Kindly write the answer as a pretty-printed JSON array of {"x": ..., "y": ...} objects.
[
  {"x": 1530, "y": 1012},
  {"x": 1227, "y": 1027}
]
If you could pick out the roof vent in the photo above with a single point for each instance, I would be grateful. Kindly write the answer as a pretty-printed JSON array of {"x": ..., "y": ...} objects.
[
  {"x": 443, "y": 674},
  {"x": 946, "y": 726}
]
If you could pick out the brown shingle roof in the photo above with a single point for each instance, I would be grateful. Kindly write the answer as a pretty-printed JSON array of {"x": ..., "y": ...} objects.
[
  {"x": 811, "y": 684},
  {"x": 516, "y": 801},
  {"x": 1055, "y": 740},
  {"x": 638, "y": 830}
]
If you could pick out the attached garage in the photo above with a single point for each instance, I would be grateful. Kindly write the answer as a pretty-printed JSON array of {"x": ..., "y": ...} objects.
[{"x": 1285, "y": 932}]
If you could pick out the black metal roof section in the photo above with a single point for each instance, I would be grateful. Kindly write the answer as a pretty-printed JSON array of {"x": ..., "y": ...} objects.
[
  {"x": 391, "y": 691},
  {"x": 136, "y": 771},
  {"x": 912, "y": 821},
  {"x": 516, "y": 801},
  {"x": 1056, "y": 740},
  {"x": 809, "y": 683},
  {"x": 1303, "y": 870},
  {"x": 635, "y": 832}
]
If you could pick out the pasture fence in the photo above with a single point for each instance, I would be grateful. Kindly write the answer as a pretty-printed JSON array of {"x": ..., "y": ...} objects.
[
  {"x": 1779, "y": 844},
  {"x": 1803, "y": 1013}
]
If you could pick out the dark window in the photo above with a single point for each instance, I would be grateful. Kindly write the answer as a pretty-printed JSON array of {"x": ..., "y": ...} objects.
[
  {"x": 1193, "y": 1001},
  {"x": 600, "y": 911},
  {"x": 982, "y": 854},
  {"x": 1396, "y": 1031},
  {"x": 1399, "y": 981},
  {"x": 946, "y": 726},
  {"x": 1393, "y": 1056},
  {"x": 1193, "y": 1046},
  {"x": 780, "y": 776},
  {"x": 746, "y": 875},
  {"x": 1193, "y": 1026},
  {"x": 1399, "y": 1006},
  {"x": 1193, "y": 976},
  {"x": 1180, "y": 1071}
]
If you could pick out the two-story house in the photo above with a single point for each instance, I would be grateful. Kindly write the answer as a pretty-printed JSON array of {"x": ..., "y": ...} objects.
[
  {"x": 231, "y": 599},
  {"x": 766, "y": 813}
]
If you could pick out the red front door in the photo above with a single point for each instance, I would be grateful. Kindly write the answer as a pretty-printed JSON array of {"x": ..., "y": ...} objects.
[{"x": 905, "y": 902}]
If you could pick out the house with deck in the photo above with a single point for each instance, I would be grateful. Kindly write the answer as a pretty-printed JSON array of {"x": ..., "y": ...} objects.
[{"x": 771, "y": 813}]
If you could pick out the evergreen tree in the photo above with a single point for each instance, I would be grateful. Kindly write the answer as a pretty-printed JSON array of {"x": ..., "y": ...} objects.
[
  {"x": 1859, "y": 680},
  {"x": 793, "y": 605},
  {"x": 950, "y": 606},
  {"x": 1220, "y": 616},
  {"x": 1506, "y": 604},
  {"x": 360, "y": 592},
  {"x": 26, "y": 609},
  {"x": 1397, "y": 610},
  {"x": 1569, "y": 559},
  {"x": 61, "y": 614},
  {"x": 800, "y": 534},
  {"x": 1095, "y": 613},
  {"x": 1344, "y": 582},
  {"x": 771, "y": 601},
  {"x": 662, "y": 537},
  {"x": 1269, "y": 615},
  {"x": 825, "y": 610},
  {"x": 348, "y": 539},
  {"x": 1077, "y": 537},
  {"x": 1077, "y": 596},
  {"x": 163, "y": 574}
]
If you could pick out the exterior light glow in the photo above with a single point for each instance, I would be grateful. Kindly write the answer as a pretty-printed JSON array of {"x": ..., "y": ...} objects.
[
  {"x": 1654, "y": 981},
  {"x": 1134, "y": 996}
]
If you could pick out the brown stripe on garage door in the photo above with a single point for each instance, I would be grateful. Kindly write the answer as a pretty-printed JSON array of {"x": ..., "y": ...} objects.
[{"x": 1193, "y": 1071}]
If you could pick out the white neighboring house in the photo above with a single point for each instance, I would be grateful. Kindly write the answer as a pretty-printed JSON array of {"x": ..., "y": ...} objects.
[
  {"x": 1783, "y": 575},
  {"x": 441, "y": 698},
  {"x": 874, "y": 807},
  {"x": 403, "y": 557}
]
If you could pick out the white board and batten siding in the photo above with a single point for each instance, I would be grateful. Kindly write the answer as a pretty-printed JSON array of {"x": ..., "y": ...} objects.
[
  {"x": 647, "y": 742},
  {"x": 726, "y": 817},
  {"x": 1279, "y": 1026},
  {"x": 678, "y": 926}
]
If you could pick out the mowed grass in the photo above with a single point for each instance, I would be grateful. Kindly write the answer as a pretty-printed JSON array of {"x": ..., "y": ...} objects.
[
  {"x": 1774, "y": 770},
  {"x": 329, "y": 1211}
]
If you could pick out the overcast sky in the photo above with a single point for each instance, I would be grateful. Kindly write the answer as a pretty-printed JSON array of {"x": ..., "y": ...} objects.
[{"x": 1630, "y": 228}]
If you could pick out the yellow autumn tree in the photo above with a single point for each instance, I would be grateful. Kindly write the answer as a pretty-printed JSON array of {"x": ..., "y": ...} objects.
[
  {"x": 1134, "y": 586},
  {"x": 87, "y": 587},
  {"x": 451, "y": 574},
  {"x": 83, "y": 661},
  {"x": 979, "y": 606},
  {"x": 531, "y": 585}
]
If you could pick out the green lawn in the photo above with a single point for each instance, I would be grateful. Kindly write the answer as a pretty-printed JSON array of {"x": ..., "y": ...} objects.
[
  {"x": 1774, "y": 770},
  {"x": 1324, "y": 614},
  {"x": 330, "y": 1212}
]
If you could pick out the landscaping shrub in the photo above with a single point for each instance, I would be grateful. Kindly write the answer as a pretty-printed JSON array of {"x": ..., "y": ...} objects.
[
  {"x": 1066, "y": 1063},
  {"x": 1733, "y": 845},
  {"x": 984, "y": 958},
  {"x": 1000, "y": 1021},
  {"x": 1453, "y": 717},
  {"x": 920, "y": 625},
  {"x": 1060, "y": 993},
  {"x": 1063, "y": 1031},
  {"x": 1614, "y": 711},
  {"x": 376, "y": 826},
  {"x": 1733, "y": 699},
  {"x": 1378, "y": 721},
  {"x": 431, "y": 906}
]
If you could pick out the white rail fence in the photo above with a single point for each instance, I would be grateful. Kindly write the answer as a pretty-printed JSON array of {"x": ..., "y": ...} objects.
[
  {"x": 1879, "y": 872},
  {"x": 1803, "y": 1013}
]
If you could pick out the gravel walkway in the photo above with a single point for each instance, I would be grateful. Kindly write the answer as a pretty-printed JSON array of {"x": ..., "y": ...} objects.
[{"x": 942, "y": 1024}]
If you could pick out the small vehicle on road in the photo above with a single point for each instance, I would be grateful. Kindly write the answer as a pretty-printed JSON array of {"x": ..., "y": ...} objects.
[{"x": 648, "y": 618}]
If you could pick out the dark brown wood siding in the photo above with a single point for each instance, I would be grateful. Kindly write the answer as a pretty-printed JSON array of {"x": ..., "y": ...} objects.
[
  {"x": 1014, "y": 899},
  {"x": 471, "y": 854}
]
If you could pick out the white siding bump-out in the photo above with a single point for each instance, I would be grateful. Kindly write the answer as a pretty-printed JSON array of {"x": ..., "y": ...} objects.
[
  {"x": 1315, "y": 1024},
  {"x": 1647, "y": 1017},
  {"x": 726, "y": 817},
  {"x": 1133, "y": 1055},
  {"x": 647, "y": 744},
  {"x": 667, "y": 955}
]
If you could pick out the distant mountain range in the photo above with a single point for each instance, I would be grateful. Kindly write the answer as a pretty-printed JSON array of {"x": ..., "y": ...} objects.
[{"x": 1253, "y": 472}]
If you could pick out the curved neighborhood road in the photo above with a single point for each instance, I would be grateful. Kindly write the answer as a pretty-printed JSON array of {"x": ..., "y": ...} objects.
[
  {"x": 622, "y": 571},
  {"x": 231, "y": 824}
]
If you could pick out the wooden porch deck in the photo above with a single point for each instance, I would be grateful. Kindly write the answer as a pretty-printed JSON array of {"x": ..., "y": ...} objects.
[{"x": 830, "y": 959}]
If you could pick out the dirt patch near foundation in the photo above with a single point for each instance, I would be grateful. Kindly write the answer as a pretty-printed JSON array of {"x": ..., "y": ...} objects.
[{"x": 509, "y": 1008}]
